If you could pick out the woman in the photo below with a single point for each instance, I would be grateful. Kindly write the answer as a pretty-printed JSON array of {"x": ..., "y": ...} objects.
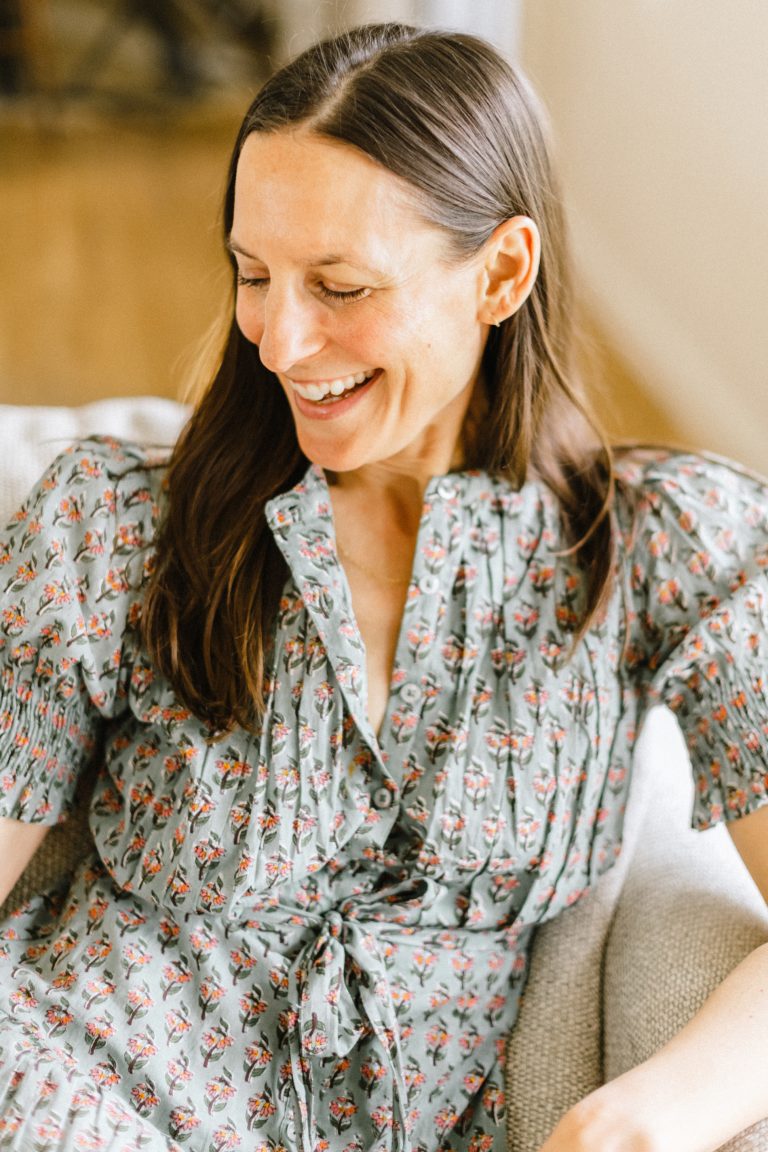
[{"x": 368, "y": 659}]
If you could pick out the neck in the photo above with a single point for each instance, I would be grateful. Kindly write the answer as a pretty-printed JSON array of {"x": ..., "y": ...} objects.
[
  {"x": 389, "y": 495},
  {"x": 399, "y": 483}
]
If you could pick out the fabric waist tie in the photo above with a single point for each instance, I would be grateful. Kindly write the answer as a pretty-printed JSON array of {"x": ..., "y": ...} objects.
[{"x": 329, "y": 1020}]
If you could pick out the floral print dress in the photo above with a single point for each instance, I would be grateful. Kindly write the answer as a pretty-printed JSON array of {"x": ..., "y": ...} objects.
[{"x": 312, "y": 937}]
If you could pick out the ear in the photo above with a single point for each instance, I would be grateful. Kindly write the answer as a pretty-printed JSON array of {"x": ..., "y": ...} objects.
[{"x": 510, "y": 267}]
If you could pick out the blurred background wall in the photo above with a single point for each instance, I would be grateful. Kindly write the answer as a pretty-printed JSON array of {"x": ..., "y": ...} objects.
[
  {"x": 660, "y": 110},
  {"x": 116, "y": 121}
]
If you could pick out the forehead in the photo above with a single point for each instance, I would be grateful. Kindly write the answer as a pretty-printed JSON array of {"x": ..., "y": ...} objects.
[{"x": 300, "y": 192}]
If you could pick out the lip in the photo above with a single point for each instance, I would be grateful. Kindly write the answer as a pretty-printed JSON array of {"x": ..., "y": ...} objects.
[{"x": 332, "y": 411}]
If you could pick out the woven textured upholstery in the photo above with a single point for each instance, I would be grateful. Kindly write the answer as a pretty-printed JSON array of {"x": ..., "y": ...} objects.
[
  {"x": 611, "y": 979},
  {"x": 688, "y": 913},
  {"x": 556, "y": 1053}
]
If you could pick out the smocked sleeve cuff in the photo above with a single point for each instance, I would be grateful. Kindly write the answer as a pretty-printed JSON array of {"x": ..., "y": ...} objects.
[
  {"x": 715, "y": 683},
  {"x": 46, "y": 742}
]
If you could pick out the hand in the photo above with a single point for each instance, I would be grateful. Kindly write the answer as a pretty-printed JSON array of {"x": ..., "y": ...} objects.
[
  {"x": 703, "y": 1087},
  {"x": 603, "y": 1122}
]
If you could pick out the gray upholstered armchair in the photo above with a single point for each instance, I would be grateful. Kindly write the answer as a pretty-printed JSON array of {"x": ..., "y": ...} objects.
[{"x": 613, "y": 978}]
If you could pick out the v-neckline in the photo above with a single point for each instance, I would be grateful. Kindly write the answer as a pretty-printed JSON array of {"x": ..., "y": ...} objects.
[{"x": 308, "y": 507}]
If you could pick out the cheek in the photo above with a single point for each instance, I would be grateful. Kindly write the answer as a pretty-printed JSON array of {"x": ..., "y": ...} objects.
[
  {"x": 363, "y": 330},
  {"x": 250, "y": 318}
]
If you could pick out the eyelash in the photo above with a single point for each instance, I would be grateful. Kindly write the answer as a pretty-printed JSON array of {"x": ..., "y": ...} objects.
[{"x": 327, "y": 293}]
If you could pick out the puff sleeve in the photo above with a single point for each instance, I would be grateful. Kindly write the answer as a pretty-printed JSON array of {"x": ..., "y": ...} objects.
[
  {"x": 698, "y": 619},
  {"x": 72, "y": 564}
]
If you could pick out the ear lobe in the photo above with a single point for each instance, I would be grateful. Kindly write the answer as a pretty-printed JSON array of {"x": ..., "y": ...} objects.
[{"x": 510, "y": 267}]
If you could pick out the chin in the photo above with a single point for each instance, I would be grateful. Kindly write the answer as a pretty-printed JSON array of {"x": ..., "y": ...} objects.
[
  {"x": 338, "y": 463},
  {"x": 334, "y": 459}
]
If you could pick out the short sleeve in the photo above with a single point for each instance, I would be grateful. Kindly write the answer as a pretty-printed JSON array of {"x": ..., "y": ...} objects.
[
  {"x": 72, "y": 564},
  {"x": 697, "y": 584}
]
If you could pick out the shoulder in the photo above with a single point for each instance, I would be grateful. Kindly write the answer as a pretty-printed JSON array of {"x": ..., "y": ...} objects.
[
  {"x": 693, "y": 533},
  {"x": 104, "y": 457},
  {"x": 653, "y": 471},
  {"x": 97, "y": 496},
  {"x": 101, "y": 470},
  {"x": 690, "y": 493}
]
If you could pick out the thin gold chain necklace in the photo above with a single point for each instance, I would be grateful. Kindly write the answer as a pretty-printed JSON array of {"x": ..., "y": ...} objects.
[{"x": 370, "y": 572}]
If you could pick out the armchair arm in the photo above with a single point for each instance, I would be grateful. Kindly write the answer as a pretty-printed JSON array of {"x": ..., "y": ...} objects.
[
  {"x": 688, "y": 913},
  {"x": 554, "y": 1055}
]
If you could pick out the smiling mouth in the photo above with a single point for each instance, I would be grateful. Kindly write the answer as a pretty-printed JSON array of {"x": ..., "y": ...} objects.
[{"x": 332, "y": 391}]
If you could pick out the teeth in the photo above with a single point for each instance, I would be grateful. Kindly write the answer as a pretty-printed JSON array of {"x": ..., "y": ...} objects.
[{"x": 330, "y": 387}]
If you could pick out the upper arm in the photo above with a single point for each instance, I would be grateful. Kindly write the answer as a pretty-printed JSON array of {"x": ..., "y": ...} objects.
[
  {"x": 698, "y": 625},
  {"x": 750, "y": 835},
  {"x": 75, "y": 559},
  {"x": 18, "y": 843}
]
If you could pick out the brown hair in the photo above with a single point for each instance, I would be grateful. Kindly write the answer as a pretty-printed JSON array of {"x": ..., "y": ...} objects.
[{"x": 448, "y": 115}]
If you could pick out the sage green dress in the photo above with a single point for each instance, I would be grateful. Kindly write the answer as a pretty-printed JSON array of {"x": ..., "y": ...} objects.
[{"x": 311, "y": 937}]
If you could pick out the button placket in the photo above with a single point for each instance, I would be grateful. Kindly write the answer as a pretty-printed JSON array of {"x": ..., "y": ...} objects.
[
  {"x": 422, "y": 611},
  {"x": 441, "y": 541}
]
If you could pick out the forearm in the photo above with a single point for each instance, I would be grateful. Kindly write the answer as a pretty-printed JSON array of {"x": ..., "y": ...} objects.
[
  {"x": 707, "y": 1084},
  {"x": 18, "y": 843}
]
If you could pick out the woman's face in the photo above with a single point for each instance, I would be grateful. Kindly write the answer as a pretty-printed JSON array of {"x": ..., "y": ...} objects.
[{"x": 351, "y": 298}]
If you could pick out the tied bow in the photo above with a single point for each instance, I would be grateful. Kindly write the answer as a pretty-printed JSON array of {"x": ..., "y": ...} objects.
[{"x": 340, "y": 986}]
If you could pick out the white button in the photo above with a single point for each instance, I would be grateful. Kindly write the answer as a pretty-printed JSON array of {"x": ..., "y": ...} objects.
[
  {"x": 382, "y": 798},
  {"x": 429, "y": 584},
  {"x": 411, "y": 693},
  {"x": 446, "y": 489}
]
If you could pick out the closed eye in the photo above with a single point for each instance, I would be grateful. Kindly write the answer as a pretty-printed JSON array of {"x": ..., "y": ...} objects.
[
  {"x": 352, "y": 294},
  {"x": 261, "y": 282},
  {"x": 252, "y": 281}
]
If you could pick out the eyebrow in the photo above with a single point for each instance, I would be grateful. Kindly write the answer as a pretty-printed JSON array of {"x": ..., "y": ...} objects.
[{"x": 326, "y": 259}]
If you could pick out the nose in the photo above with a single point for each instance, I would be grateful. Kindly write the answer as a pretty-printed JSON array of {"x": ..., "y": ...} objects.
[{"x": 291, "y": 328}]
